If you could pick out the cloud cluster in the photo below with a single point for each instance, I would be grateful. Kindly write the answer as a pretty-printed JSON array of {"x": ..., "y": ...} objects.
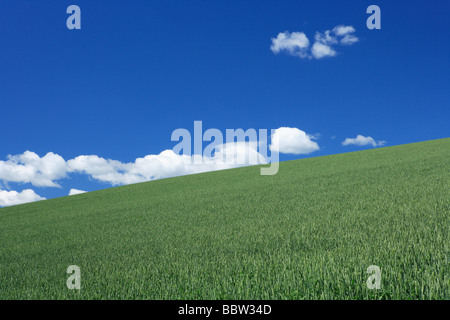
[
  {"x": 298, "y": 44},
  {"x": 295, "y": 43},
  {"x": 46, "y": 171},
  {"x": 292, "y": 141},
  {"x": 361, "y": 140},
  {"x": 30, "y": 168},
  {"x": 11, "y": 198},
  {"x": 166, "y": 164}
]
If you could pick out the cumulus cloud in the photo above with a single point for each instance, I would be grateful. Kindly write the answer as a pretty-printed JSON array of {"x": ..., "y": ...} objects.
[
  {"x": 30, "y": 168},
  {"x": 297, "y": 43},
  {"x": 343, "y": 30},
  {"x": 320, "y": 50},
  {"x": 166, "y": 164},
  {"x": 349, "y": 39},
  {"x": 326, "y": 37},
  {"x": 73, "y": 192},
  {"x": 46, "y": 171},
  {"x": 361, "y": 140},
  {"x": 11, "y": 198},
  {"x": 323, "y": 47},
  {"x": 293, "y": 141}
]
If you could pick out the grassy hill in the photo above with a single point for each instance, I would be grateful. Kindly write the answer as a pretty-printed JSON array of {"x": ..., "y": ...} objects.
[{"x": 309, "y": 232}]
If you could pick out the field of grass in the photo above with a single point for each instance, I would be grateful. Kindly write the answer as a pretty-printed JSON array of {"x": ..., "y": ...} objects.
[{"x": 309, "y": 232}]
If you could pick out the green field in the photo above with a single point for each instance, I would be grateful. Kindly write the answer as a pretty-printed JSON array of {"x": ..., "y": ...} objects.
[{"x": 309, "y": 232}]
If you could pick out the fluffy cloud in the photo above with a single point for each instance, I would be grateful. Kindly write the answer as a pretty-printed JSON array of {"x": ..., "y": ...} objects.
[
  {"x": 166, "y": 164},
  {"x": 293, "y": 141},
  {"x": 323, "y": 47},
  {"x": 11, "y": 198},
  {"x": 73, "y": 192},
  {"x": 320, "y": 50},
  {"x": 30, "y": 168},
  {"x": 363, "y": 141},
  {"x": 44, "y": 172},
  {"x": 349, "y": 39},
  {"x": 346, "y": 34},
  {"x": 325, "y": 37},
  {"x": 296, "y": 43},
  {"x": 343, "y": 30}
]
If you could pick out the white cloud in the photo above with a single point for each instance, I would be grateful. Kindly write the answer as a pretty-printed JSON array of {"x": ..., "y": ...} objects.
[
  {"x": 30, "y": 168},
  {"x": 295, "y": 43},
  {"x": 323, "y": 47},
  {"x": 293, "y": 141},
  {"x": 349, "y": 39},
  {"x": 99, "y": 168},
  {"x": 326, "y": 37},
  {"x": 44, "y": 172},
  {"x": 320, "y": 50},
  {"x": 342, "y": 30},
  {"x": 73, "y": 192},
  {"x": 166, "y": 164},
  {"x": 11, "y": 198},
  {"x": 363, "y": 141}
]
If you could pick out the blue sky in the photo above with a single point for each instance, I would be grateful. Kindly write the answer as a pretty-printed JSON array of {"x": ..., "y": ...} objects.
[{"x": 137, "y": 70}]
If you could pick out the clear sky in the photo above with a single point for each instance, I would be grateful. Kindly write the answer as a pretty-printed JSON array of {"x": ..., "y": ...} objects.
[{"x": 137, "y": 70}]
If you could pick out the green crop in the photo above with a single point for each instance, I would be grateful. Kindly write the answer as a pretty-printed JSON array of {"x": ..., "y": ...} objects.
[{"x": 308, "y": 232}]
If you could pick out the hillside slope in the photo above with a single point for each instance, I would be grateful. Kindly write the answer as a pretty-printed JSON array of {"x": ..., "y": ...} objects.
[{"x": 309, "y": 232}]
